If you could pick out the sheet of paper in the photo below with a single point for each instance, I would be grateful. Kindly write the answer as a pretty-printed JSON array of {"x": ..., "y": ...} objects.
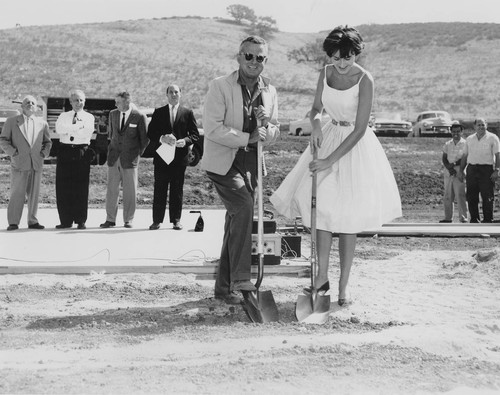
[{"x": 166, "y": 152}]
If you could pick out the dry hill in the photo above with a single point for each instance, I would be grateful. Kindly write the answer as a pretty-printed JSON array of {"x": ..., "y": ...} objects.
[{"x": 450, "y": 66}]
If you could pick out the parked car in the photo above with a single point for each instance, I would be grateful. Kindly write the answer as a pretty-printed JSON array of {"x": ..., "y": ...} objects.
[
  {"x": 390, "y": 124},
  {"x": 432, "y": 123},
  {"x": 302, "y": 127},
  {"x": 6, "y": 113}
]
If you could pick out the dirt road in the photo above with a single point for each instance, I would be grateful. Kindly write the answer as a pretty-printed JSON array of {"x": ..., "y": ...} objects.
[{"x": 424, "y": 318}]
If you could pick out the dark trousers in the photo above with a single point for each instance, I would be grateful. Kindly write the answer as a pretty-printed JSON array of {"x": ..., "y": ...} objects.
[
  {"x": 72, "y": 183},
  {"x": 236, "y": 192},
  {"x": 478, "y": 181},
  {"x": 166, "y": 176}
]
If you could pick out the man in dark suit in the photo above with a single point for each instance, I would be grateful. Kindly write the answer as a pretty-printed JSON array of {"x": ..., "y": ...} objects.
[
  {"x": 174, "y": 125},
  {"x": 128, "y": 140},
  {"x": 25, "y": 138}
]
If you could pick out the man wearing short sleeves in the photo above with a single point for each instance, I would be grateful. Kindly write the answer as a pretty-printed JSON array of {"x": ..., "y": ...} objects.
[{"x": 482, "y": 158}]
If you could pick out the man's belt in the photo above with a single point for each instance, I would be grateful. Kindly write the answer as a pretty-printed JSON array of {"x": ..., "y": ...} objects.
[
  {"x": 247, "y": 149},
  {"x": 68, "y": 146}
]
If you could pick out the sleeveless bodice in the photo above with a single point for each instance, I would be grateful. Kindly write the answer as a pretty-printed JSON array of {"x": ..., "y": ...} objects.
[{"x": 341, "y": 105}]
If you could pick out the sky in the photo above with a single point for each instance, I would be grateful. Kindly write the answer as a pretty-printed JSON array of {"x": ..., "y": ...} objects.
[{"x": 291, "y": 15}]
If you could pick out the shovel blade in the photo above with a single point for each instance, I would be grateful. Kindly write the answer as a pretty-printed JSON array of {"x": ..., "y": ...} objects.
[
  {"x": 313, "y": 309},
  {"x": 260, "y": 306}
]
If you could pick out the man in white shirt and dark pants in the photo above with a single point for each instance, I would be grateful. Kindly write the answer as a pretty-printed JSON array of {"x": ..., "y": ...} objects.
[
  {"x": 482, "y": 158},
  {"x": 75, "y": 129}
]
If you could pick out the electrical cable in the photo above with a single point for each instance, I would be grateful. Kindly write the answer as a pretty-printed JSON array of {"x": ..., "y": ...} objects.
[
  {"x": 52, "y": 261},
  {"x": 175, "y": 260},
  {"x": 180, "y": 259}
]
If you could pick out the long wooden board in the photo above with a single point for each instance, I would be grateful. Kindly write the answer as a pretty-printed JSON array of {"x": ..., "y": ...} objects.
[
  {"x": 203, "y": 271},
  {"x": 434, "y": 230}
]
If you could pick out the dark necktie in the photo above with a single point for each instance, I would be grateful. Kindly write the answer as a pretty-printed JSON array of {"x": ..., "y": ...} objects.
[
  {"x": 75, "y": 118},
  {"x": 123, "y": 120}
]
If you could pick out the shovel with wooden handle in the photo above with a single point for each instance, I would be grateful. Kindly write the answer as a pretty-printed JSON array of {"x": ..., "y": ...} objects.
[
  {"x": 260, "y": 305},
  {"x": 313, "y": 308}
]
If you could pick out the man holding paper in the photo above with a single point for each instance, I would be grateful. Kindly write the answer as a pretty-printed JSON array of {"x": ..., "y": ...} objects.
[
  {"x": 172, "y": 129},
  {"x": 128, "y": 140}
]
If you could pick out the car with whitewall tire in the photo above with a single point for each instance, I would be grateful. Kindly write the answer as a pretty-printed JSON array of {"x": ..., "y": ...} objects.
[
  {"x": 389, "y": 124},
  {"x": 432, "y": 124},
  {"x": 303, "y": 127}
]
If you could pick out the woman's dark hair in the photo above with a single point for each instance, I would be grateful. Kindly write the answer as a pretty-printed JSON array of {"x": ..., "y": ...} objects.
[{"x": 344, "y": 39}]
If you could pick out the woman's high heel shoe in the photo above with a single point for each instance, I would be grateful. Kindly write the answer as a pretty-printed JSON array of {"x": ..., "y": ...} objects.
[{"x": 321, "y": 290}]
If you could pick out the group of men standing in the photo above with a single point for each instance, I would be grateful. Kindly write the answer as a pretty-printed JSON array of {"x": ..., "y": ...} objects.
[
  {"x": 26, "y": 139},
  {"x": 472, "y": 166},
  {"x": 241, "y": 110}
]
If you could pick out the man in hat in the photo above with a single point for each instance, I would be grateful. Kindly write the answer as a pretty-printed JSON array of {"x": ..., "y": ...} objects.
[{"x": 454, "y": 187}]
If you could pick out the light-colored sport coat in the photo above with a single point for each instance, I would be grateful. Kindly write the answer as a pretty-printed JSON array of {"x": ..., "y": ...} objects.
[
  {"x": 223, "y": 122},
  {"x": 15, "y": 143}
]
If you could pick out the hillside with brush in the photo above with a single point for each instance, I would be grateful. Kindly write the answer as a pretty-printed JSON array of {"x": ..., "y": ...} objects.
[{"x": 447, "y": 66}]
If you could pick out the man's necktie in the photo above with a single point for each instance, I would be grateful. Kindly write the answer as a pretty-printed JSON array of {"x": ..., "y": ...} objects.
[
  {"x": 123, "y": 121},
  {"x": 171, "y": 116},
  {"x": 75, "y": 118}
]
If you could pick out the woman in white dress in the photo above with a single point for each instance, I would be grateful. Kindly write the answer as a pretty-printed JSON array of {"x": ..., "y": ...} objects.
[{"x": 356, "y": 187}]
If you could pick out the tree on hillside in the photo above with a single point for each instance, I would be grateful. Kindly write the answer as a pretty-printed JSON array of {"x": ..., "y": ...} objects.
[
  {"x": 241, "y": 13},
  {"x": 311, "y": 53},
  {"x": 264, "y": 26}
]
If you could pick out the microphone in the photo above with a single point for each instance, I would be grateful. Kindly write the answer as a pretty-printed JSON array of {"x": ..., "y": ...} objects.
[{"x": 200, "y": 224}]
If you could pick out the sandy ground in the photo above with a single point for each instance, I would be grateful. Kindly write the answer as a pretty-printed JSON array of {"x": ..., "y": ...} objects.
[{"x": 423, "y": 318}]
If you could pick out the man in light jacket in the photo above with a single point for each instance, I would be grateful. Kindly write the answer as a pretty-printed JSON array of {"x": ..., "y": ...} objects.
[
  {"x": 240, "y": 109},
  {"x": 25, "y": 138}
]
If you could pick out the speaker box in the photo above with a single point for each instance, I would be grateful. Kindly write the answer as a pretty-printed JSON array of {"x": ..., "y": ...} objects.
[
  {"x": 272, "y": 249},
  {"x": 269, "y": 226}
]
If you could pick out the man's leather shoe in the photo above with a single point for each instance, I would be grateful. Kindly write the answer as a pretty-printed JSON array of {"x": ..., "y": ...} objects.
[
  {"x": 154, "y": 226},
  {"x": 230, "y": 298},
  {"x": 36, "y": 226},
  {"x": 81, "y": 225},
  {"x": 177, "y": 225},
  {"x": 128, "y": 225},
  {"x": 244, "y": 285},
  {"x": 13, "y": 227},
  {"x": 445, "y": 221},
  {"x": 107, "y": 224},
  {"x": 62, "y": 226}
]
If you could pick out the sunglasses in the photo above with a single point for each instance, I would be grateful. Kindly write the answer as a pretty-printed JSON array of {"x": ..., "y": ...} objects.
[{"x": 250, "y": 56}]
